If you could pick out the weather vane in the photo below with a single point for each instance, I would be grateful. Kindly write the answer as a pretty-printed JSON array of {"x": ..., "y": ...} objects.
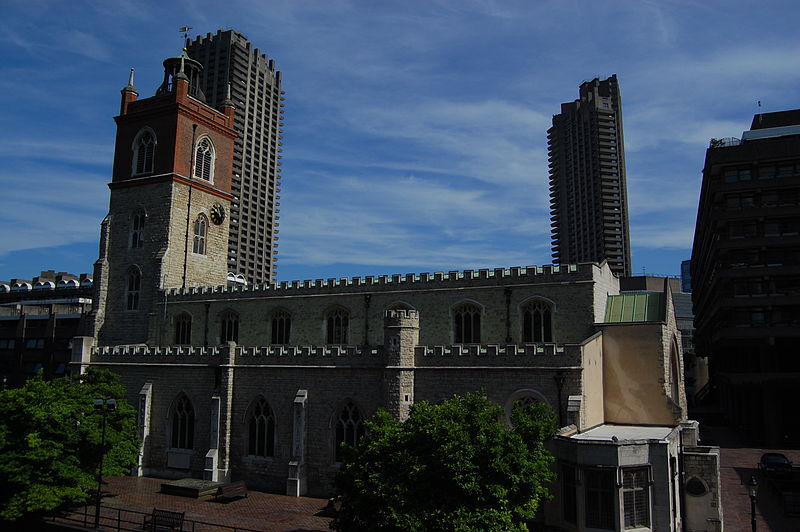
[{"x": 185, "y": 31}]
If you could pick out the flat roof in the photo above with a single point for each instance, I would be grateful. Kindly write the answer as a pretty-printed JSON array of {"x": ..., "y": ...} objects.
[{"x": 623, "y": 433}]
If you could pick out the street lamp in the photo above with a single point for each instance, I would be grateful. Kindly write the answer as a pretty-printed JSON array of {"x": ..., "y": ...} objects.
[
  {"x": 752, "y": 490},
  {"x": 102, "y": 407}
]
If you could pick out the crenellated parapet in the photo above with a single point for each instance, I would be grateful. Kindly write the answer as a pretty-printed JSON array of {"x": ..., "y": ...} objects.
[
  {"x": 401, "y": 318},
  {"x": 242, "y": 355},
  {"x": 421, "y": 281},
  {"x": 528, "y": 355}
]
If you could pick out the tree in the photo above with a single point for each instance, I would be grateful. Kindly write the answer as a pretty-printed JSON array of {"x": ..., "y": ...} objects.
[
  {"x": 50, "y": 441},
  {"x": 455, "y": 466}
]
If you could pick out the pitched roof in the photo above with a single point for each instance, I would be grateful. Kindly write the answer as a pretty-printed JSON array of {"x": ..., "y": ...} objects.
[{"x": 635, "y": 307}]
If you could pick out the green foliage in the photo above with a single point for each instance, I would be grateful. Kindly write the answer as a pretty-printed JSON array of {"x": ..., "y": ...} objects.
[
  {"x": 454, "y": 466},
  {"x": 50, "y": 441}
]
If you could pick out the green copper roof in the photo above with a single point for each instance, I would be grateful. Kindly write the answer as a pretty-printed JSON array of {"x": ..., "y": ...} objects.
[{"x": 635, "y": 307}]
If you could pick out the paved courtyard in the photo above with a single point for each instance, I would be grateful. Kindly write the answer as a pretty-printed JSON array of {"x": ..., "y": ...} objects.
[
  {"x": 258, "y": 511},
  {"x": 739, "y": 463}
]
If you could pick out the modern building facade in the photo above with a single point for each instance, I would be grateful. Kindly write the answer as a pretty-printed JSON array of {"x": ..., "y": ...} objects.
[
  {"x": 229, "y": 60},
  {"x": 38, "y": 320},
  {"x": 745, "y": 270},
  {"x": 588, "y": 191}
]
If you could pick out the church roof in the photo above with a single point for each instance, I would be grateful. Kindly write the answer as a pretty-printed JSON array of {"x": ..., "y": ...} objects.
[{"x": 635, "y": 307}]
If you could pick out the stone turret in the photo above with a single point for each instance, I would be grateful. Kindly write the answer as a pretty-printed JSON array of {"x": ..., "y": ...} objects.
[{"x": 401, "y": 335}]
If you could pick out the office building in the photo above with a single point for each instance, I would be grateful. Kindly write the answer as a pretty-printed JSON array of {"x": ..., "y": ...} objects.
[
  {"x": 588, "y": 192},
  {"x": 255, "y": 88},
  {"x": 745, "y": 272}
]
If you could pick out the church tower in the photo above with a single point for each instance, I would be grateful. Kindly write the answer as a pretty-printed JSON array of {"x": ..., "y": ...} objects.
[{"x": 168, "y": 223}]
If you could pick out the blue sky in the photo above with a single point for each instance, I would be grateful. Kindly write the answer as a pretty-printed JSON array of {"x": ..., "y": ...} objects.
[{"x": 415, "y": 131}]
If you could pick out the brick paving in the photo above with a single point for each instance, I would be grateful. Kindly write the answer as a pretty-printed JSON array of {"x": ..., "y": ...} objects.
[
  {"x": 738, "y": 463},
  {"x": 266, "y": 512}
]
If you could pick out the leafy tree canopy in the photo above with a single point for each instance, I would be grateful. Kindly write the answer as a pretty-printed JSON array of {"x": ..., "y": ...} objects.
[
  {"x": 50, "y": 441},
  {"x": 455, "y": 466}
]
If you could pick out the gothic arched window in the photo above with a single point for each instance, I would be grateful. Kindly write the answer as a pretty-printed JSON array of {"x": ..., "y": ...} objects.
[
  {"x": 183, "y": 329},
  {"x": 229, "y": 327},
  {"x": 182, "y": 423},
  {"x": 537, "y": 322},
  {"x": 200, "y": 229},
  {"x": 281, "y": 323},
  {"x": 204, "y": 160},
  {"x": 134, "y": 286},
  {"x": 337, "y": 323},
  {"x": 261, "y": 429},
  {"x": 137, "y": 229},
  {"x": 349, "y": 428},
  {"x": 467, "y": 324},
  {"x": 143, "y": 151}
]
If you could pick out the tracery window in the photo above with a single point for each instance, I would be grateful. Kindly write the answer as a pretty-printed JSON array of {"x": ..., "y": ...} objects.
[
  {"x": 182, "y": 424},
  {"x": 133, "y": 289},
  {"x": 467, "y": 324},
  {"x": 349, "y": 428},
  {"x": 261, "y": 430},
  {"x": 183, "y": 329},
  {"x": 200, "y": 228},
  {"x": 229, "y": 327},
  {"x": 143, "y": 152},
  {"x": 281, "y": 323},
  {"x": 137, "y": 230},
  {"x": 537, "y": 322},
  {"x": 636, "y": 497},
  {"x": 204, "y": 160},
  {"x": 337, "y": 321}
]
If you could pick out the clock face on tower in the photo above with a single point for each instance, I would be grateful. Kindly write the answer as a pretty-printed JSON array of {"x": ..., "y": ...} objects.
[{"x": 217, "y": 214}]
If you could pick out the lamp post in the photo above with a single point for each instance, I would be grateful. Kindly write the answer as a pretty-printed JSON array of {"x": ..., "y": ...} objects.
[
  {"x": 752, "y": 490},
  {"x": 102, "y": 407}
]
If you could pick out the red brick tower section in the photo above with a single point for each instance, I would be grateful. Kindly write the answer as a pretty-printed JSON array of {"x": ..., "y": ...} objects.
[{"x": 168, "y": 222}]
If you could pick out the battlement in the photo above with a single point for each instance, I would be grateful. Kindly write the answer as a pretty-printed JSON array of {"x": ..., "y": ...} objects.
[
  {"x": 410, "y": 281},
  {"x": 167, "y": 351},
  {"x": 529, "y": 355}
]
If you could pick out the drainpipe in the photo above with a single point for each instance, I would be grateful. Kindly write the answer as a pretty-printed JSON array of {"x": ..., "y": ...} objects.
[
  {"x": 367, "y": 298},
  {"x": 560, "y": 377},
  {"x": 507, "y": 292},
  {"x": 189, "y": 209}
]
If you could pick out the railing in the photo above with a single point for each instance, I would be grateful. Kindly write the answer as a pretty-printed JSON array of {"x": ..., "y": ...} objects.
[
  {"x": 724, "y": 142},
  {"x": 120, "y": 519}
]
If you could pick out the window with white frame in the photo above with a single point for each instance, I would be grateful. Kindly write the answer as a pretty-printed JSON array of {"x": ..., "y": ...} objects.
[
  {"x": 261, "y": 430},
  {"x": 636, "y": 497},
  {"x": 467, "y": 324},
  {"x": 204, "y": 160},
  {"x": 182, "y": 423},
  {"x": 349, "y": 428},
  {"x": 537, "y": 322}
]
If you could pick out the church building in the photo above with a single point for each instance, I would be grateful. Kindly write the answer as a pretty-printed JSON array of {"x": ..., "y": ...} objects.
[{"x": 262, "y": 383}]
